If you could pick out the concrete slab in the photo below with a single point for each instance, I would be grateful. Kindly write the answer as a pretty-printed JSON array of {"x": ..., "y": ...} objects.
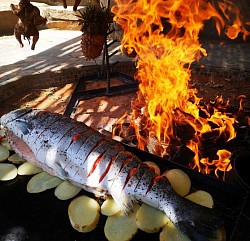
[{"x": 57, "y": 59}]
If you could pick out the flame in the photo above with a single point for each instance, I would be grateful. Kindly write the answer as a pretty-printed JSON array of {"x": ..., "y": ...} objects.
[
  {"x": 165, "y": 36},
  {"x": 221, "y": 164}
]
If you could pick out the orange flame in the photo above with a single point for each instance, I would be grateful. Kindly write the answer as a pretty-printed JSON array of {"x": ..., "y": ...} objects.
[
  {"x": 164, "y": 34},
  {"x": 222, "y": 164}
]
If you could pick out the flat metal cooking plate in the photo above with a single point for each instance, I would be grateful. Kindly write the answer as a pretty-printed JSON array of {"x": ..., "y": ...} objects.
[{"x": 42, "y": 217}]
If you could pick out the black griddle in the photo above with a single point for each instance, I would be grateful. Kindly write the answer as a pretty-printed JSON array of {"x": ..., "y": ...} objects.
[{"x": 42, "y": 217}]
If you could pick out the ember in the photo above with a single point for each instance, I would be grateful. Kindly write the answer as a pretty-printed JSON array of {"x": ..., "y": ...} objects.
[{"x": 165, "y": 36}]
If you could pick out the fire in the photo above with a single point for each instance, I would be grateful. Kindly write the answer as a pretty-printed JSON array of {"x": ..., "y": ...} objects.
[
  {"x": 221, "y": 164},
  {"x": 165, "y": 36}
]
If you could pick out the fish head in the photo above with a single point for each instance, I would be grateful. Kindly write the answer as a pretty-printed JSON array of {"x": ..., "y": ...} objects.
[{"x": 17, "y": 121}]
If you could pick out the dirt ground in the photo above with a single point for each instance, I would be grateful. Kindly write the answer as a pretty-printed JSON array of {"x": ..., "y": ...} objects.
[{"x": 102, "y": 112}]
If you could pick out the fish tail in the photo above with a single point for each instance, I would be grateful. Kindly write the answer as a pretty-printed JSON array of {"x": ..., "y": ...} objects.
[{"x": 197, "y": 222}]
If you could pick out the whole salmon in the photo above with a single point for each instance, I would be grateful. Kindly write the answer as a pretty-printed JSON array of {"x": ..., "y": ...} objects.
[{"x": 75, "y": 152}]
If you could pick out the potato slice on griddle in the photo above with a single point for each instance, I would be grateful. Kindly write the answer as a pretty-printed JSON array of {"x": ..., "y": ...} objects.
[
  {"x": 121, "y": 227},
  {"x": 28, "y": 168},
  {"x": 16, "y": 159},
  {"x": 41, "y": 182},
  {"x": 84, "y": 213},
  {"x": 201, "y": 197},
  {"x": 6, "y": 144},
  {"x": 220, "y": 235},
  {"x": 4, "y": 153},
  {"x": 154, "y": 166},
  {"x": 179, "y": 180},
  {"x": 7, "y": 171},
  {"x": 66, "y": 190},
  {"x": 2, "y": 134},
  {"x": 150, "y": 219},
  {"x": 109, "y": 207},
  {"x": 171, "y": 233}
]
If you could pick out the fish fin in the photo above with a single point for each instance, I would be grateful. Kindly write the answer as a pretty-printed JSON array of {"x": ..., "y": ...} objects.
[
  {"x": 23, "y": 126},
  {"x": 56, "y": 159},
  {"x": 123, "y": 201}
]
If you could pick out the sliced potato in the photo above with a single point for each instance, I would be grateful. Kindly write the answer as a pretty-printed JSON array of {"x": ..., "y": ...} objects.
[
  {"x": 150, "y": 219},
  {"x": 109, "y": 207},
  {"x": 6, "y": 144},
  {"x": 66, "y": 190},
  {"x": 201, "y": 197},
  {"x": 7, "y": 171},
  {"x": 28, "y": 168},
  {"x": 84, "y": 213},
  {"x": 41, "y": 182},
  {"x": 179, "y": 180},
  {"x": 4, "y": 153},
  {"x": 2, "y": 133},
  {"x": 121, "y": 227},
  {"x": 154, "y": 166},
  {"x": 220, "y": 235},
  {"x": 171, "y": 233},
  {"x": 16, "y": 159}
]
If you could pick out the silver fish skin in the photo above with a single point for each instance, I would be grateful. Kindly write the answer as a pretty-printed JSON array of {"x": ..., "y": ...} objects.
[{"x": 75, "y": 152}]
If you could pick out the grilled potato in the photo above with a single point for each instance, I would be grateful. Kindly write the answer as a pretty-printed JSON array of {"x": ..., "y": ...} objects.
[
  {"x": 220, "y": 235},
  {"x": 84, "y": 213},
  {"x": 6, "y": 144},
  {"x": 4, "y": 153},
  {"x": 66, "y": 190},
  {"x": 201, "y": 197},
  {"x": 7, "y": 171},
  {"x": 179, "y": 180},
  {"x": 170, "y": 232},
  {"x": 16, "y": 159},
  {"x": 41, "y": 182},
  {"x": 2, "y": 133},
  {"x": 109, "y": 207},
  {"x": 150, "y": 219},
  {"x": 154, "y": 166},
  {"x": 28, "y": 168},
  {"x": 121, "y": 227}
]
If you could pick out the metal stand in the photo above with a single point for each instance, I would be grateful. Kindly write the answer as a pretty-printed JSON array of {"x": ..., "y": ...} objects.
[{"x": 80, "y": 93}]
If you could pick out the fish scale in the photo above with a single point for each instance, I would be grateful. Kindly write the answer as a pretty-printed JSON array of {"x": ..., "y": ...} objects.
[
  {"x": 48, "y": 133},
  {"x": 132, "y": 185},
  {"x": 118, "y": 184},
  {"x": 89, "y": 163},
  {"x": 48, "y": 129},
  {"x": 33, "y": 136},
  {"x": 116, "y": 167},
  {"x": 124, "y": 172},
  {"x": 104, "y": 164},
  {"x": 46, "y": 149},
  {"x": 97, "y": 164},
  {"x": 146, "y": 180},
  {"x": 67, "y": 138},
  {"x": 87, "y": 147},
  {"x": 66, "y": 126},
  {"x": 77, "y": 144}
]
